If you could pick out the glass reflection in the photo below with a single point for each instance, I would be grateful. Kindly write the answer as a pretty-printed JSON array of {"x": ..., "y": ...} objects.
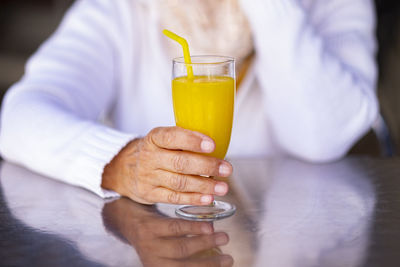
[{"x": 164, "y": 241}]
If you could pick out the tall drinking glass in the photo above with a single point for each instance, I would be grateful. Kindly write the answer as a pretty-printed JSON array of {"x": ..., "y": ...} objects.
[{"x": 205, "y": 103}]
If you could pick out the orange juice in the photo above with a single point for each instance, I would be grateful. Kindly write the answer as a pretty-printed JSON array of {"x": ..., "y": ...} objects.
[{"x": 205, "y": 104}]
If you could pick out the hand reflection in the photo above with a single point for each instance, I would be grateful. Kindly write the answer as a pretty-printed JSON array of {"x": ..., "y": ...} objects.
[{"x": 162, "y": 241}]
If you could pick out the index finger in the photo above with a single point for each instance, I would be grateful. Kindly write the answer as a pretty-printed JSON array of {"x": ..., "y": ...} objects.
[
  {"x": 172, "y": 227},
  {"x": 212, "y": 261},
  {"x": 183, "y": 247},
  {"x": 177, "y": 138}
]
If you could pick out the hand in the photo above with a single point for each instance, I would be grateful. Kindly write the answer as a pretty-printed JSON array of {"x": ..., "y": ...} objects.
[
  {"x": 162, "y": 241},
  {"x": 165, "y": 166}
]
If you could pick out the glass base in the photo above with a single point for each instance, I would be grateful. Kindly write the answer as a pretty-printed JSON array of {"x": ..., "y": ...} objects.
[{"x": 216, "y": 211}]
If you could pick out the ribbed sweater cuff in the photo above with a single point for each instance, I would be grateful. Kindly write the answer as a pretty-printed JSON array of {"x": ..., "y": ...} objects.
[{"x": 97, "y": 149}]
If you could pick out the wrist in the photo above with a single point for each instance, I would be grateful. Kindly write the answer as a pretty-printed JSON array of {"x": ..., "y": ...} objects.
[{"x": 113, "y": 172}]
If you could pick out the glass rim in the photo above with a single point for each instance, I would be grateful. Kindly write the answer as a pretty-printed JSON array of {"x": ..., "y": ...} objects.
[{"x": 218, "y": 60}]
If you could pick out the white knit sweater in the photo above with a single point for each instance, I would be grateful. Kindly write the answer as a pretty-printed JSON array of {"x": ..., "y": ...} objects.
[{"x": 309, "y": 94}]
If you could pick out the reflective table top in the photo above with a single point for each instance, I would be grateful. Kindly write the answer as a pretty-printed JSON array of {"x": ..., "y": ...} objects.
[{"x": 289, "y": 213}]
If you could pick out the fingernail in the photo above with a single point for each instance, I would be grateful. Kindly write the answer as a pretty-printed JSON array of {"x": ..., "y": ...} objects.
[
  {"x": 224, "y": 169},
  {"x": 206, "y": 199},
  {"x": 206, "y": 228},
  {"x": 226, "y": 260},
  {"x": 207, "y": 146},
  {"x": 221, "y": 189},
  {"x": 221, "y": 239}
]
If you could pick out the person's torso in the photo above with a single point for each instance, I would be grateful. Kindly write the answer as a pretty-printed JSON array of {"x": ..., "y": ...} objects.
[{"x": 144, "y": 100}]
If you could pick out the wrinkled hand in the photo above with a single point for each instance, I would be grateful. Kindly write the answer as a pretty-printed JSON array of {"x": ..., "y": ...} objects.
[
  {"x": 162, "y": 241},
  {"x": 165, "y": 166}
]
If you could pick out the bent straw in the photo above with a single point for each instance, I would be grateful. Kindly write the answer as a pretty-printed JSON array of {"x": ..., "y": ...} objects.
[{"x": 185, "y": 47}]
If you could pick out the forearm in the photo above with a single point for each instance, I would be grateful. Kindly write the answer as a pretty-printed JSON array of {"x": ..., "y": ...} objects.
[
  {"x": 40, "y": 133},
  {"x": 50, "y": 118},
  {"x": 317, "y": 77}
]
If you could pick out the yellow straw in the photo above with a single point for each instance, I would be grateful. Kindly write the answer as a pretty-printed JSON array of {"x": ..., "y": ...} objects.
[{"x": 185, "y": 47}]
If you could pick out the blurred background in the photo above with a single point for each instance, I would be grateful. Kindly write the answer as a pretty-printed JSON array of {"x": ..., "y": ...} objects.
[{"x": 24, "y": 25}]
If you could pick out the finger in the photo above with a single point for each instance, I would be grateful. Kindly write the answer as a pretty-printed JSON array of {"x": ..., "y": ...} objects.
[
  {"x": 177, "y": 138},
  {"x": 214, "y": 261},
  {"x": 194, "y": 164},
  {"x": 179, "y": 227},
  {"x": 184, "y": 247},
  {"x": 189, "y": 183},
  {"x": 164, "y": 195}
]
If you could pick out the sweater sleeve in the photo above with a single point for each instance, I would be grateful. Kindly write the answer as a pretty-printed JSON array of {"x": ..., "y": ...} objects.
[
  {"x": 49, "y": 120},
  {"x": 317, "y": 72}
]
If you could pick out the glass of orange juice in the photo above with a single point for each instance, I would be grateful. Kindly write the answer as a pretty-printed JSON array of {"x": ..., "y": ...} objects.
[{"x": 204, "y": 102}]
